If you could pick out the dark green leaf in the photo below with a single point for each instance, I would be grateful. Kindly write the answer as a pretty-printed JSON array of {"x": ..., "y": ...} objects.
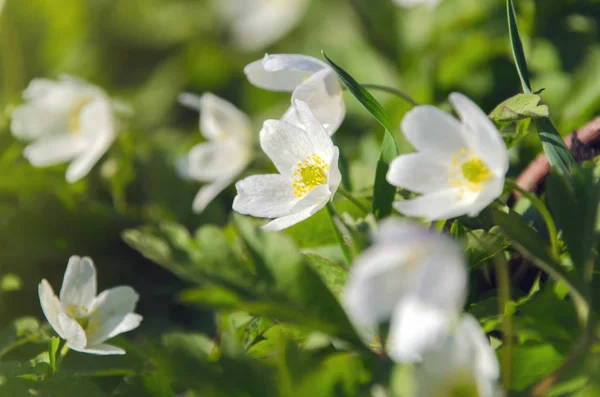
[
  {"x": 558, "y": 154},
  {"x": 517, "y": 47}
]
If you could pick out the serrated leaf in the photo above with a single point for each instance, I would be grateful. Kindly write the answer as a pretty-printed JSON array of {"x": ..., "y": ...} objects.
[
  {"x": 518, "y": 107},
  {"x": 383, "y": 192}
]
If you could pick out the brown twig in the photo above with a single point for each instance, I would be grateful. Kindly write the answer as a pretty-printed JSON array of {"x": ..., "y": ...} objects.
[{"x": 539, "y": 168}]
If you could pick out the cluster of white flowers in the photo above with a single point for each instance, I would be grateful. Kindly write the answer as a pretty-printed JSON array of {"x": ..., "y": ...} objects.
[{"x": 410, "y": 276}]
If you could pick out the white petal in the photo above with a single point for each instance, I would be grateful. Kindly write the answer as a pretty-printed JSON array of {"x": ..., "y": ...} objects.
[
  {"x": 334, "y": 176},
  {"x": 97, "y": 124},
  {"x": 282, "y": 72},
  {"x": 420, "y": 173},
  {"x": 323, "y": 94},
  {"x": 32, "y": 121},
  {"x": 73, "y": 333},
  {"x": 484, "y": 358},
  {"x": 444, "y": 204},
  {"x": 114, "y": 302},
  {"x": 434, "y": 132},
  {"x": 211, "y": 161},
  {"x": 114, "y": 326},
  {"x": 286, "y": 145},
  {"x": 79, "y": 283},
  {"x": 491, "y": 191},
  {"x": 55, "y": 149},
  {"x": 415, "y": 328},
  {"x": 314, "y": 201},
  {"x": 50, "y": 306},
  {"x": 102, "y": 349},
  {"x": 207, "y": 193},
  {"x": 482, "y": 135},
  {"x": 266, "y": 196},
  {"x": 219, "y": 119}
]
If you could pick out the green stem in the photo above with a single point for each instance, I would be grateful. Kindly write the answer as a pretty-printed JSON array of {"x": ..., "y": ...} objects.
[
  {"x": 503, "y": 281},
  {"x": 353, "y": 200},
  {"x": 20, "y": 342},
  {"x": 393, "y": 91},
  {"x": 541, "y": 207},
  {"x": 63, "y": 352},
  {"x": 343, "y": 238}
]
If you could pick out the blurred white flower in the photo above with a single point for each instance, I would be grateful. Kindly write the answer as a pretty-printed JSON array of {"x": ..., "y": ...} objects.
[
  {"x": 256, "y": 24},
  {"x": 416, "y": 277},
  {"x": 310, "y": 80},
  {"x": 308, "y": 177},
  {"x": 414, "y": 3},
  {"x": 227, "y": 152},
  {"x": 67, "y": 120},
  {"x": 459, "y": 167},
  {"x": 465, "y": 365},
  {"x": 83, "y": 319}
]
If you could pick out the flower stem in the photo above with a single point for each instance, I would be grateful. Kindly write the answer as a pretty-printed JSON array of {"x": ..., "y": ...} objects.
[
  {"x": 541, "y": 207},
  {"x": 63, "y": 352},
  {"x": 393, "y": 91},
  {"x": 353, "y": 200},
  {"x": 343, "y": 236},
  {"x": 503, "y": 282}
]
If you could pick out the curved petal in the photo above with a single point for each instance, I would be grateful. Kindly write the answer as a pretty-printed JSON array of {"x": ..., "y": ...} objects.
[
  {"x": 286, "y": 145},
  {"x": 415, "y": 328},
  {"x": 74, "y": 334},
  {"x": 211, "y": 161},
  {"x": 50, "y": 306},
  {"x": 334, "y": 176},
  {"x": 314, "y": 201},
  {"x": 114, "y": 326},
  {"x": 265, "y": 196},
  {"x": 322, "y": 93},
  {"x": 483, "y": 136},
  {"x": 490, "y": 192},
  {"x": 444, "y": 204},
  {"x": 219, "y": 119},
  {"x": 31, "y": 121},
  {"x": 55, "y": 149},
  {"x": 102, "y": 349},
  {"x": 434, "y": 132},
  {"x": 114, "y": 302},
  {"x": 420, "y": 173},
  {"x": 207, "y": 193},
  {"x": 79, "y": 284},
  {"x": 282, "y": 72}
]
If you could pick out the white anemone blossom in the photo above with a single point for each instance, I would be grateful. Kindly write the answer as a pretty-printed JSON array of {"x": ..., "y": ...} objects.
[
  {"x": 67, "y": 120},
  {"x": 413, "y": 276},
  {"x": 227, "y": 152},
  {"x": 310, "y": 80},
  {"x": 308, "y": 177},
  {"x": 256, "y": 24},
  {"x": 464, "y": 365},
  {"x": 83, "y": 319},
  {"x": 459, "y": 167}
]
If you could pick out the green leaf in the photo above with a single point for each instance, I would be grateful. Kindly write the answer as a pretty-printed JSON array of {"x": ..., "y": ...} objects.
[
  {"x": 52, "y": 350},
  {"x": 383, "y": 192},
  {"x": 575, "y": 207},
  {"x": 558, "y": 154},
  {"x": 531, "y": 362},
  {"x": 519, "y": 107},
  {"x": 517, "y": 47},
  {"x": 333, "y": 276},
  {"x": 483, "y": 245}
]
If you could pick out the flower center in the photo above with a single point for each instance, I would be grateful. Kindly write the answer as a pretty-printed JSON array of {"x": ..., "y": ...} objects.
[
  {"x": 73, "y": 117},
  {"x": 467, "y": 171},
  {"x": 83, "y": 316},
  {"x": 308, "y": 174},
  {"x": 458, "y": 385}
]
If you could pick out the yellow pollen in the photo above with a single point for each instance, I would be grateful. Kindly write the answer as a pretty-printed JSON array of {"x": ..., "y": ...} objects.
[
  {"x": 376, "y": 346},
  {"x": 310, "y": 173},
  {"x": 83, "y": 316},
  {"x": 468, "y": 172},
  {"x": 73, "y": 117}
]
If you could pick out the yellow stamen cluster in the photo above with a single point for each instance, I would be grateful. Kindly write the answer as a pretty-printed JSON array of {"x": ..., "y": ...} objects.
[
  {"x": 83, "y": 316},
  {"x": 376, "y": 346},
  {"x": 467, "y": 171},
  {"x": 310, "y": 173},
  {"x": 73, "y": 118}
]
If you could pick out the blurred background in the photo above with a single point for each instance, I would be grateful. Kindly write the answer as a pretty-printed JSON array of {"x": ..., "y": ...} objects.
[{"x": 145, "y": 52}]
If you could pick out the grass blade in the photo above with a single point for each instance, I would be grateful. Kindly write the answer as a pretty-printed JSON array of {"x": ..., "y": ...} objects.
[{"x": 517, "y": 47}]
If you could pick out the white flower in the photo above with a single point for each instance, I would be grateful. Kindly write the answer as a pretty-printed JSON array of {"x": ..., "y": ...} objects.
[
  {"x": 311, "y": 80},
  {"x": 68, "y": 120},
  {"x": 255, "y": 24},
  {"x": 465, "y": 365},
  {"x": 413, "y": 3},
  {"x": 83, "y": 319},
  {"x": 414, "y": 276},
  {"x": 459, "y": 167},
  {"x": 227, "y": 152},
  {"x": 308, "y": 177}
]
